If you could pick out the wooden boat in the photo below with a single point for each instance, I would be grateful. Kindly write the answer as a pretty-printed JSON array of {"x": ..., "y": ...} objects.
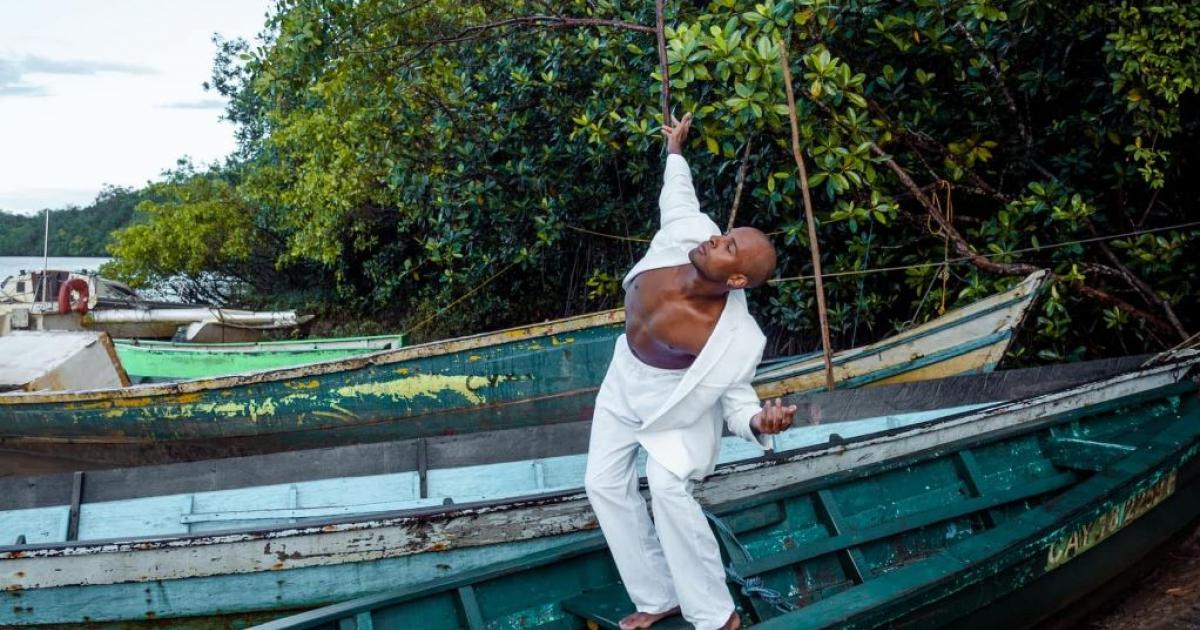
[
  {"x": 537, "y": 374},
  {"x": 1008, "y": 529},
  {"x": 279, "y": 488},
  {"x": 527, "y": 558},
  {"x": 165, "y": 361}
]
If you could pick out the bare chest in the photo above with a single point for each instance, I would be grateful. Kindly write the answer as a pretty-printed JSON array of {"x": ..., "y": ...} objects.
[{"x": 663, "y": 327}]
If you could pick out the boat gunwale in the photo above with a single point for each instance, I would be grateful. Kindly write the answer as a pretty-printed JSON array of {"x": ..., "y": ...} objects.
[
  {"x": 1187, "y": 366},
  {"x": 154, "y": 345},
  {"x": 381, "y": 357}
]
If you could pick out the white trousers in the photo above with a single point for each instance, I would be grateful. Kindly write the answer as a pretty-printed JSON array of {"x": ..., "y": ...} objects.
[{"x": 678, "y": 543}]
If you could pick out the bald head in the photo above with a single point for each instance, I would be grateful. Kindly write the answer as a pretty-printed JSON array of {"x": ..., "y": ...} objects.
[{"x": 756, "y": 255}]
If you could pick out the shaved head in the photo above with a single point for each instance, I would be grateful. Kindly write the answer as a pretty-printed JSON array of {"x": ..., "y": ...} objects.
[{"x": 756, "y": 255}]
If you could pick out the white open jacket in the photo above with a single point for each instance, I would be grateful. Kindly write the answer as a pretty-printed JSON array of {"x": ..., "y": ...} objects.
[{"x": 683, "y": 435}]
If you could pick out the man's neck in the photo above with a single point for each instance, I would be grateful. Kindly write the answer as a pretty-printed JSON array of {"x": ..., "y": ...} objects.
[{"x": 697, "y": 287}]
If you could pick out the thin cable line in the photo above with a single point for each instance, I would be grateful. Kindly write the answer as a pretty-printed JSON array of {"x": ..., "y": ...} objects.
[
  {"x": 953, "y": 261},
  {"x": 460, "y": 299},
  {"x": 635, "y": 239}
]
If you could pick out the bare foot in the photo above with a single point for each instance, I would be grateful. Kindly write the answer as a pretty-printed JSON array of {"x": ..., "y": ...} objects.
[
  {"x": 734, "y": 622},
  {"x": 645, "y": 620}
]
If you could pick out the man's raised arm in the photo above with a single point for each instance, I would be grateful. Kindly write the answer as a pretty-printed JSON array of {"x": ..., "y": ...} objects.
[{"x": 678, "y": 198}]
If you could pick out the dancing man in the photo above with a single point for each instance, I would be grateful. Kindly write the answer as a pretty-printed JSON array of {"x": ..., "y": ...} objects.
[{"x": 682, "y": 369}]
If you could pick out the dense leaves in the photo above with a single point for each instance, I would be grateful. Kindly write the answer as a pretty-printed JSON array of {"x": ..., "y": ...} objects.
[
  {"x": 404, "y": 155},
  {"x": 73, "y": 231}
]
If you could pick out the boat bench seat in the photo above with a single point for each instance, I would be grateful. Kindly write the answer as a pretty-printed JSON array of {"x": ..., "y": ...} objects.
[{"x": 605, "y": 607}]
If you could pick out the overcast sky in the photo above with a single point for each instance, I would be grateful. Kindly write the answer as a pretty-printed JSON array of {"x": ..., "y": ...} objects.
[{"x": 95, "y": 93}]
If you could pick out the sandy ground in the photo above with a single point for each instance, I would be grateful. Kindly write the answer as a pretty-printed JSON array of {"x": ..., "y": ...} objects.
[{"x": 1166, "y": 599}]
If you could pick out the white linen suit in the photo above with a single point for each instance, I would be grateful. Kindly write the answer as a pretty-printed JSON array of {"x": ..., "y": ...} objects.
[{"x": 676, "y": 415}]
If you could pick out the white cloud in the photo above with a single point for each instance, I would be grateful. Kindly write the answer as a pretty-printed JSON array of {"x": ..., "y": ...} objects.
[
  {"x": 14, "y": 73},
  {"x": 119, "y": 93}
]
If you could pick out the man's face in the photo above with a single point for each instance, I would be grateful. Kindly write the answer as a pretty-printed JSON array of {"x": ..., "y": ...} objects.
[{"x": 723, "y": 258}]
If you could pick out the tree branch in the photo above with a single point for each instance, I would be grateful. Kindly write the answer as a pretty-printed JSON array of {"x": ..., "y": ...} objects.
[
  {"x": 660, "y": 31},
  {"x": 741, "y": 181},
  {"x": 532, "y": 21},
  {"x": 1140, "y": 286},
  {"x": 1108, "y": 299},
  {"x": 996, "y": 76}
]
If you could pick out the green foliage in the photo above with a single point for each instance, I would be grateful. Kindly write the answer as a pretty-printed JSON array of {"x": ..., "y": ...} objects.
[
  {"x": 73, "y": 231},
  {"x": 194, "y": 223},
  {"x": 404, "y": 153}
]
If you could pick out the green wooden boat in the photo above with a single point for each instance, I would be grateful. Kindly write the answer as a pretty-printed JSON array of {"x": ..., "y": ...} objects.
[
  {"x": 539, "y": 374},
  {"x": 164, "y": 361},
  {"x": 264, "y": 564},
  {"x": 1007, "y": 528}
]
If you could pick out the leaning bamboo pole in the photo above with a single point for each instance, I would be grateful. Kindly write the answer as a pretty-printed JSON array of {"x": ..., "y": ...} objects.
[{"x": 808, "y": 215}]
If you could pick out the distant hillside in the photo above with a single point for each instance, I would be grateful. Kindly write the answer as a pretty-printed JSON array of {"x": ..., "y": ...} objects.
[{"x": 73, "y": 231}]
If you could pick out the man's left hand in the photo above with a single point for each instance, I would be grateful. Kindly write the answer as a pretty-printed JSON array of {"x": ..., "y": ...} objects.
[{"x": 774, "y": 417}]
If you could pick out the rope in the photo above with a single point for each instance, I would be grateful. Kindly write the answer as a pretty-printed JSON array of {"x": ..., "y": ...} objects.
[
  {"x": 921, "y": 305},
  {"x": 751, "y": 587},
  {"x": 616, "y": 237},
  {"x": 962, "y": 259},
  {"x": 460, "y": 298}
]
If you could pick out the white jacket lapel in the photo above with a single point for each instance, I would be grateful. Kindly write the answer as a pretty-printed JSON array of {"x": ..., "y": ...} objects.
[{"x": 710, "y": 356}]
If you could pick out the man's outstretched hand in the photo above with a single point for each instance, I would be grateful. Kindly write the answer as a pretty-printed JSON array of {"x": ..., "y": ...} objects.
[
  {"x": 774, "y": 417},
  {"x": 677, "y": 132}
]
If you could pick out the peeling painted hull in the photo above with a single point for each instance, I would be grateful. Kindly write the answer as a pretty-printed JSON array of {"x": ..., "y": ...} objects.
[
  {"x": 534, "y": 375},
  {"x": 251, "y": 571}
]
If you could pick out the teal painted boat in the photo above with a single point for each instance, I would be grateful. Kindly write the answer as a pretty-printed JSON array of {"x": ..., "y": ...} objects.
[
  {"x": 166, "y": 361},
  {"x": 528, "y": 561},
  {"x": 545, "y": 373},
  {"x": 1002, "y": 530},
  {"x": 281, "y": 489}
]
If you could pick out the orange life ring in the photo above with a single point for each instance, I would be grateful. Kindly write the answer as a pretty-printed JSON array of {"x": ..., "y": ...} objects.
[{"x": 64, "y": 296}]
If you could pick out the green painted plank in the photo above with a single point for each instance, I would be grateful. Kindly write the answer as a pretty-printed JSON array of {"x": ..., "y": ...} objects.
[
  {"x": 969, "y": 506},
  {"x": 851, "y": 558},
  {"x": 1080, "y": 454},
  {"x": 470, "y": 607},
  {"x": 974, "y": 479}
]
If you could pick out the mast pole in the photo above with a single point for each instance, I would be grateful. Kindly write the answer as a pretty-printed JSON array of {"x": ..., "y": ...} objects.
[{"x": 45, "y": 254}]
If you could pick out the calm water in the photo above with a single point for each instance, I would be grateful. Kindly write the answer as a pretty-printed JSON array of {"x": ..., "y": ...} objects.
[{"x": 10, "y": 265}]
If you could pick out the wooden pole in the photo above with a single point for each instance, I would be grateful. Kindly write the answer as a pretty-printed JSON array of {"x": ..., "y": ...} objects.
[
  {"x": 661, "y": 33},
  {"x": 808, "y": 215}
]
